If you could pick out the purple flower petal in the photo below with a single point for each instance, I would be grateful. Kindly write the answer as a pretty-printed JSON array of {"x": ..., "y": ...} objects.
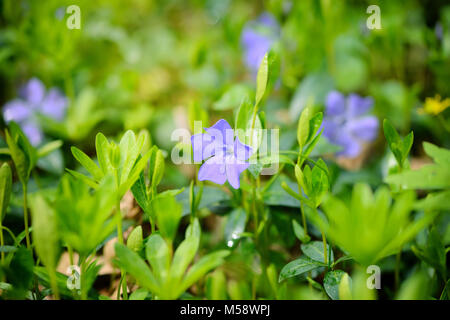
[
  {"x": 222, "y": 132},
  {"x": 357, "y": 105},
  {"x": 335, "y": 104},
  {"x": 213, "y": 170},
  {"x": 33, "y": 132},
  {"x": 16, "y": 110},
  {"x": 241, "y": 151},
  {"x": 350, "y": 145},
  {"x": 365, "y": 128},
  {"x": 257, "y": 38},
  {"x": 34, "y": 92},
  {"x": 54, "y": 105},
  {"x": 234, "y": 170},
  {"x": 203, "y": 146},
  {"x": 330, "y": 128}
]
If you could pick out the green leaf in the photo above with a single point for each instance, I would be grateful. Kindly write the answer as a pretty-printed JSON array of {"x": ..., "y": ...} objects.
[
  {"x": 184, "y": 255},
  {"x": 235, "y": 225},
  {"x": 45, "y": 230},
  {"x": 87, "y": 163},
  {"x": 168, "y": 214},
  {"x": 242, "y": 117},
  {"x": 300, "y": 232},
  {"x": 139, "y": 191},
  {"x": 298, "y": 267},
  {"x": 20, "y": 271},
  {"x": 440, "y": 155},
  {"x": 331, "y": 283},
  {"x": 194, "y": 229},
  {"x": 434, "y": 201},
  {"x": 134, "y": 174},
  {"x": 103, "y": 149},
  {"x": 139, "y": 294},
  {"x": 314, "y": 250},
  {"x": 431, "y": 176},
  {"x": 203, "y": 266},
  {"x": 307, "y": 127},
  {"x": 136, "y": 267},
  {"x": 261, "y": 79},
  {"x": 49, "y": 148},
  {"x": 21, "y": 161},
  {"x": 158, "y": 169},
  {"x": 157, "y": 253},
  {"x": 135, "y": 240},
  {"x": 231, "y": 98},
  {"x": 399, "y": 147},
  {"x": 5, "y": 189},
  {"x": 89, "y": 181},
  {"x": 303, "y": 127},
  {"x": 216, "y": 286}
]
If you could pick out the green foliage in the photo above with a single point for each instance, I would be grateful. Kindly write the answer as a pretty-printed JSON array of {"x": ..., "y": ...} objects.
[
  {"x": 22, "y": 152},
  {"x": 369, "y": 227},
  {"x": 84, "y": 217},
  {"x": 122, "y": 161},
  {"x": 430, "y": 176},
  {"x": 332, "y": 282},
  {"x": 299, "y": 267},
  {"x": 399, "y": 147},
  {"x": 5, "y": 189},
  {"x": 168, "y": 277},
  {"x": 168, "y": 214}
]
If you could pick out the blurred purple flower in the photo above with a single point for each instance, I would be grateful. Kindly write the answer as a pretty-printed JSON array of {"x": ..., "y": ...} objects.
[
  {"x": 225, "y": 157},
  {"x": 439, "y": 31},
  {"x": 346, "y": 124},
  {"x": 33, "y": 100},
  {"x": 257, "y": 38}
]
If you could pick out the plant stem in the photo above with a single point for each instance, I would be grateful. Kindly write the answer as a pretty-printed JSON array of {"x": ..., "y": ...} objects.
[
  {"x": 120, "y": 239},
  {"x": 54, "y": 284},
  {"x": 300, "y": 160},
  {"x": 397, "y": 268},
  {"x": 305, "y": 225},
  {"x": 325, "y": 259},
  {"x": 25, "y": 215},
  {"x": 1, "y": 240}
]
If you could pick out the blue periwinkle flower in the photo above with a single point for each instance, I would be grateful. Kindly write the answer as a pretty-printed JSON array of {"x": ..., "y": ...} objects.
[
  {"x": 33, "y": 99},
  {"x": 257, "y": 38},
  {"x": 346, "y": 123},
  {"x": 225, "y": 156}
]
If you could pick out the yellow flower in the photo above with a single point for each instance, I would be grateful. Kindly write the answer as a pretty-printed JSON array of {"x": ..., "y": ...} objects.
[{"x": 434, "y": 105}]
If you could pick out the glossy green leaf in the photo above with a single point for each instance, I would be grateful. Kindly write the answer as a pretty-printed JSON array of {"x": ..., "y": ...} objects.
[
  {"x": 298, "y": 267},
  {"x": 5, "y": 188},
  {"x": 300, "y": 232},
  {"x": 235, "y": 226},
  {"x": 331, "y": 283},
  {"x": 135, "y": 240},
  {"x": 261, "y": 79},
  {"x": 314, "y": 250}
]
